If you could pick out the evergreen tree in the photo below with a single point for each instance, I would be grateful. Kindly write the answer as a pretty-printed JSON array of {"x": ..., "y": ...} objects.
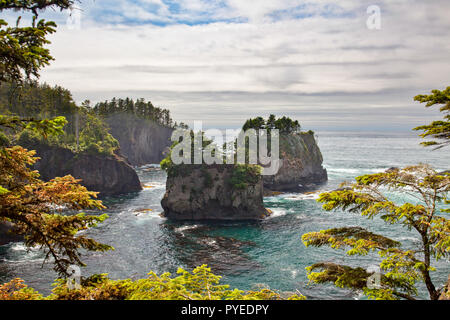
[
  {"x": 370, "y": 197},
  {"x": 439, "y": 130},
  {"x": 140, "y": 108}
]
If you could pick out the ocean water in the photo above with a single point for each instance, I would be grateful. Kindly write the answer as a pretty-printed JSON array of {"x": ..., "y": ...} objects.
[{"x": 249, "y": 255}]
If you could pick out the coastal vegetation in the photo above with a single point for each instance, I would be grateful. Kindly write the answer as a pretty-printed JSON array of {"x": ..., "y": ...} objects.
[
  {"x": 373, "y": 196},
  {"x": 244, "y": 175},
  {"x": 200, "y": 284},
  {"x": 140, "y": 108},
  {"x": 82, "y": 131},
  {"x": 32, "y": 205},
  {"x": 284, "y": 124},
  {"x": 438, "y": 130},
  {"x": 403, "y": 266}
]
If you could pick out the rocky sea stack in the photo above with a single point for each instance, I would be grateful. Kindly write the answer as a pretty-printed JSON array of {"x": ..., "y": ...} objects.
[
  {"x": 301, "y": 164},
  {"x": 214, "y": 192},
  {"x": 107, "y": 174},
  {"x": 236, "y": 191}
]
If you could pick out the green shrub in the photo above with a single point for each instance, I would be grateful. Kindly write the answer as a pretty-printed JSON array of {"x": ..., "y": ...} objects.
[
  {"x": 95, "y": 138},
  {"x": 244, "y": 175}
]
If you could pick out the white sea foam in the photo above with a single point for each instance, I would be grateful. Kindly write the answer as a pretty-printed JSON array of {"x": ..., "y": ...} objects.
[
  {"x": 412, "y": 239},
  {"x": 18, "y": 246},
  {"x": 185, "y": 228},
  {"x": 304, "y": 196},
  {"x": 277, "y": 212},
  {"x": 209, "y": 242},
  {"x": 292, "y": 272},
  {"x": 153, "y": 185},
  {"x": 21, "y": 253},
  {"x": 342, "y": 170},
  {"x": 355, "y": 171},
  {"x": 147, "y": 166},
  {"x": 148, "y": 215}
]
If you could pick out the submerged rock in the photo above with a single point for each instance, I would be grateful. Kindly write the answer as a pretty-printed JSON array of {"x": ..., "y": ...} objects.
[
  {"x": 301, "y": 164},
  {"x": 211, "y": 192},
  {"x": 107, "y": 174}
]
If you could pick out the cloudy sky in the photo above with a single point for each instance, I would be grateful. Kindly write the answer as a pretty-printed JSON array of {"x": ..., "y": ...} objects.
[{"x": 222, "y": 61}]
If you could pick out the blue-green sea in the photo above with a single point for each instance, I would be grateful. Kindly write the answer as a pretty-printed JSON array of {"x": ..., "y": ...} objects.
[{"x": 248, "y": 255}]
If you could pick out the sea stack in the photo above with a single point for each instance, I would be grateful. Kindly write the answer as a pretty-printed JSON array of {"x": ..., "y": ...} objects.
[
  {"x": 214, "y": 192},
  {"x": 107, "y": 174},
  {"x": 301, "y": 164}
]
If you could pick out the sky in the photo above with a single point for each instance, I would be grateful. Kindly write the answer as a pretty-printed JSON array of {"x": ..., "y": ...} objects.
[{"x": 223, "y": 61}]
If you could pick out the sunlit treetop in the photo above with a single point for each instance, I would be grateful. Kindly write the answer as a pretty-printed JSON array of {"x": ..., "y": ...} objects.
[{"x": 22, "y": 48}]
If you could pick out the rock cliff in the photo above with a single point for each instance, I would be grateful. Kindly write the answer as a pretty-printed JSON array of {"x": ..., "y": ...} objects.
[
  {"x": 214, "y": 192},
  {"x": 301, "y": 164},
  {"x": 141, "y": 141},
  {"x": 235, "y": 192},
  {"x": 107, "y": 174}
]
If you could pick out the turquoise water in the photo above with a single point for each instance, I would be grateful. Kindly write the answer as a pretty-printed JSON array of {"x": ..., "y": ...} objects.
[{"x": 248, "y": 255}]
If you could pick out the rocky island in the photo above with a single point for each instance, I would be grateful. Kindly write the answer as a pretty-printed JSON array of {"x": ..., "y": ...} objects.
[
  {"x": 214, "y": 192},
  {"x": 301, "y": 164},
  {"x": 236, "y": 191},
  {"x": 108, "y": 174}
]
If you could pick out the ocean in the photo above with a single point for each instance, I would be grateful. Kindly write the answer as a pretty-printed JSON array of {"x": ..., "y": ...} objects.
[{"x": 248, "y": 255}]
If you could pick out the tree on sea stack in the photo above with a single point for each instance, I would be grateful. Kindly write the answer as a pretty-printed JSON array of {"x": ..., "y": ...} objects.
[{"x": 401, "y": 268}]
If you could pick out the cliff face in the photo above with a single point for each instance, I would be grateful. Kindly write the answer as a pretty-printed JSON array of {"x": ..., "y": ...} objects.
[
  {"x": 206, "y": 192},
  {"x": 6, "y": 236},
  {"x": 109, "y": 175},
  {"x": 141, "y": 141},
  {"x": 301, "y": 164}
]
